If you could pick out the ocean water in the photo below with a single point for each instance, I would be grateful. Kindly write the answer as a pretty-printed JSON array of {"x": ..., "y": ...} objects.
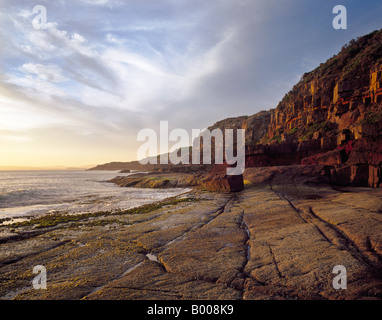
[{"x": 31, "y": 193}]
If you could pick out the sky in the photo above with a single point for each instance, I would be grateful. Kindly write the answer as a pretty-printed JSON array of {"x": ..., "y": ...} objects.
[{"x": 77, "y": 92}]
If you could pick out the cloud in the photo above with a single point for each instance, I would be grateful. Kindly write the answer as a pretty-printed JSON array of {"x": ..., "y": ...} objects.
[
  {"x": 108, "y": 3},
  {"x": 50, "y": 73},
  {"x": 104, "y": 69}
]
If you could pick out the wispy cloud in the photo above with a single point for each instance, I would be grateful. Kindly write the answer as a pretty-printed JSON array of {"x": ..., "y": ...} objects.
[{"x": 104, "y": 69}]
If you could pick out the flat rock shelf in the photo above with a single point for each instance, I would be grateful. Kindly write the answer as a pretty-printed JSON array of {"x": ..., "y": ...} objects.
[{"x": 269, "y": 241}]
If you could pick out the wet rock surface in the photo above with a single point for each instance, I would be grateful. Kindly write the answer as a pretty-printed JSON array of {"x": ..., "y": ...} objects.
[{"x": 273, "y": 240}]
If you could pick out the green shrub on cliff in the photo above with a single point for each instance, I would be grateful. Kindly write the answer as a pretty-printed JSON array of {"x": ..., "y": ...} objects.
[
  {"x": 372, "y": 117},
  {"x": 323, "y": 127}
]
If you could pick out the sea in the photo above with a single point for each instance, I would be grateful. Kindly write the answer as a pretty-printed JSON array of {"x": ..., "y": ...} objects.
[{"x": 33, "y": 193}]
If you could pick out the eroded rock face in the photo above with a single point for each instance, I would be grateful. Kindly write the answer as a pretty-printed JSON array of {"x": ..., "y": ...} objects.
[
  {"x": 353, "y": 163},
  {"x": 332, "y": 117},
  {"x": 256, "y": 126}
]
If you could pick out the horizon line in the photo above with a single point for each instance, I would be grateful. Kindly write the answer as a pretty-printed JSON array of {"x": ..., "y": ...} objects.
[{"x": 36, "y": 168}]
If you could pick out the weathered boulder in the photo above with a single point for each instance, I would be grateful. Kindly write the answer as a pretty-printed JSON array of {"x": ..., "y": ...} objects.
[{"x": 218, "y": 180}]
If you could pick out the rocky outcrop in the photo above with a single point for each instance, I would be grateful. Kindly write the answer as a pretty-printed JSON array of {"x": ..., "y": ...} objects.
[
  {"x": 256, "y": 126},
  {"x": 158, "y": 180},
  {"x": 122, "y": 166},
  {"x": 332, "y": 117},
  {"x": 289, "y": 152},
  {"x": 218, "y": 180},
  {"x": 363, "y": 166},
  {"x": 334, "y": 96}
]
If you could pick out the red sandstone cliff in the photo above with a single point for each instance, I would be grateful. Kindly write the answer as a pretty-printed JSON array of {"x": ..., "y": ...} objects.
[{"x": 332, "y": 118}]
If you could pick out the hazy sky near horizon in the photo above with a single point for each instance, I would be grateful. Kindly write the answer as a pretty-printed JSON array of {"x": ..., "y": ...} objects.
[{"x": 78, "y": 92}]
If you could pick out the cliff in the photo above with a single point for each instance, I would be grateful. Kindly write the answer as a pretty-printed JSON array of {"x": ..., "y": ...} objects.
[
  {"x": 332, "y": 117},
  {"x": 334, "y": 97},
  {"x": 256, "y": 126}
]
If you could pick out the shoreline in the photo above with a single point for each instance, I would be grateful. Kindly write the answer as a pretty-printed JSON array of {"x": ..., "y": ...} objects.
[
  {"x": 89, "y": 200},
  {"x": 40, "y": 216},
  {"x": 270, "y": 241}
]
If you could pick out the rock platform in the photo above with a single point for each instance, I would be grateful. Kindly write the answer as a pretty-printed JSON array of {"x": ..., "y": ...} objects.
[{"x": 273, "y": 240}]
